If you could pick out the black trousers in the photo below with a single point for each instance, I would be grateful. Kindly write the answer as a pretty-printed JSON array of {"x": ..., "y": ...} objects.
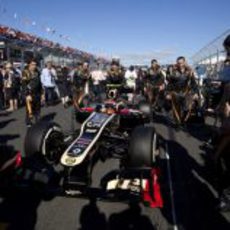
[
  {"x": 49, "y": 95},
  {"x": 36, "y": 107},
  {"x": 2, "y": 100}
]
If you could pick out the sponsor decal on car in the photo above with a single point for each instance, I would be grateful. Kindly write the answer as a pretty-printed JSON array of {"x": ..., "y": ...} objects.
[
  {"x": 83, "y": 141},
  {"x": 91, "y": 130},
  {"x": 70, "y": 161},
  {"x": 76, "y": 150}
]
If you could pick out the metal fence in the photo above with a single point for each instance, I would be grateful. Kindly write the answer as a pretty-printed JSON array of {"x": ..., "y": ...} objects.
[
  {"x": 213, "y": 52},
  {"x": 210, "y": 59}
]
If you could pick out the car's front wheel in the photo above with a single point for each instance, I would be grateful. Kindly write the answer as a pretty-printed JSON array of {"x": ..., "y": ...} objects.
[
  {"x": 143, "y": 148},
  {"x": 45, "y": 139}
]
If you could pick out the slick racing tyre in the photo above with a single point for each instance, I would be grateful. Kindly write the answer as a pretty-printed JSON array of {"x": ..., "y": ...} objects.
[
  {"x": 45, "y": 139},
  {"x": 143, "y": 148}
]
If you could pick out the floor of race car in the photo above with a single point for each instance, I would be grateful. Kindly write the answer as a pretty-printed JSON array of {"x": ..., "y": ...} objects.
[{"x": 195, "y": 196}]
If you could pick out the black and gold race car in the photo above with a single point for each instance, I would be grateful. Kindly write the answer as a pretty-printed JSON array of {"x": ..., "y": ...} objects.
[{"x": 101, "y": 138}]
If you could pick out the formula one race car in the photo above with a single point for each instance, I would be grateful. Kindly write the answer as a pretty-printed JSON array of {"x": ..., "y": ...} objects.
[{"x": 100, "y": 139}]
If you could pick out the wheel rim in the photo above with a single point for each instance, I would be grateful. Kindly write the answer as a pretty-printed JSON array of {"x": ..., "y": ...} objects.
[{"x": 53, "y": 146}]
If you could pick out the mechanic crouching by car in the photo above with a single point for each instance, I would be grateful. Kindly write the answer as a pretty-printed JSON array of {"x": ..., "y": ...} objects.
[
  {"x": 32, "y": 88},
  {"x": 155, "y": 85},
  {"x": 181, "y": 90}
]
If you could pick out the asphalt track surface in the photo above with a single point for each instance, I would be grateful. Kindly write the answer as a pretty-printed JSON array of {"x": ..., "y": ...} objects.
[{"x": 193, "y": 182}]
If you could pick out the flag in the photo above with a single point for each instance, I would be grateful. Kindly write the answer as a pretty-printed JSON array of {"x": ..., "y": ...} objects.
[
  {"x": 26, "y": 21},
  {"x": 48, "y": 29}
]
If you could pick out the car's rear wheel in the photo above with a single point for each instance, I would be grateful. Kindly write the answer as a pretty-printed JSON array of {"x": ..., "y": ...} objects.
[{"x": 45, "y": 139}]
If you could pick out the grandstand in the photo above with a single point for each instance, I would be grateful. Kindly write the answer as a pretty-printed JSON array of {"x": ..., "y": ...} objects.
[{"x": 17, "y": 47}]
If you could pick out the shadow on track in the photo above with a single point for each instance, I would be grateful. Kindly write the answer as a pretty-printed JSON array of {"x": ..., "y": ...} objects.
[
  {"x": 7, "y": 137},
  {"x": 18, "y": 210},
  {"x": 131, "y": 218},
  {"x": 48, "y": 117},
  {"x": 22, "y": 191},
  {"x": 195, "y": 199},
  {"x": 6, "y": 122},
  {"x": 4, "y": 138},
  {"x": 4, "y": 114},
  {"x": 165, "y": 120},
  {"x": 200, "y": 132},
  {"x": 91, "y": 217}
]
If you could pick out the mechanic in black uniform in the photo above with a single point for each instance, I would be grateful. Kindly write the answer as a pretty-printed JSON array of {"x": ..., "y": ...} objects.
[
  {"x": 115, "y": 78},
  {"x": 32, "y": 88},
  {"x": 155, "y": 86},
  {"x": 81, "y": 78},
  {"x": 140, "y": 81},
  {"x": 63, "y": 84},
  {"x": 181, "y": 90}
]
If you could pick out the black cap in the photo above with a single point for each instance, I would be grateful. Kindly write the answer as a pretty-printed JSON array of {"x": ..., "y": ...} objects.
[{"x": 154, "y": 60}]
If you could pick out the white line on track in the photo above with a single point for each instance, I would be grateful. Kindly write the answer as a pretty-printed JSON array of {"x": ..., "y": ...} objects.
[{"x": 174, "y": 218}]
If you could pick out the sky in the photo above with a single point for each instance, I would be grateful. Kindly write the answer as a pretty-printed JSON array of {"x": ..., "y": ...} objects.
[{"x": 134, "y": 30}]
